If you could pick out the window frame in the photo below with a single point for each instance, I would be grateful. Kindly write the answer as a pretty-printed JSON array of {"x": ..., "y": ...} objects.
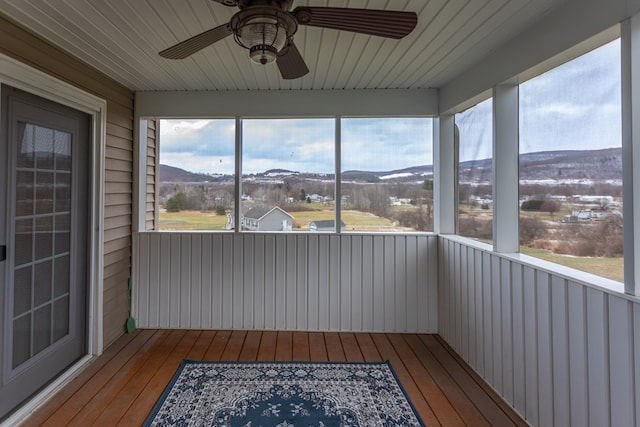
[{"x": 238, "y": 167}]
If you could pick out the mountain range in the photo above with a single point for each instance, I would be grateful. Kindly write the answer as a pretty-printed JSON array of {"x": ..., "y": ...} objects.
[{"x": 571, "y": 165}]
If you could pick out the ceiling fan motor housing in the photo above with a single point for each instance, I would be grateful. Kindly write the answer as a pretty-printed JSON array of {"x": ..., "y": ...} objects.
[{"x": 263, "y": 30}]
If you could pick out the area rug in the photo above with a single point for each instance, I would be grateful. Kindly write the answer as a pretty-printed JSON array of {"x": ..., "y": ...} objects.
[{"x": 271, "y": 394}]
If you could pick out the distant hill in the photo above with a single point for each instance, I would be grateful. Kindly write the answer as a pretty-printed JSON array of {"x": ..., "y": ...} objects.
[
  {"x": 173, "y": 174},
  {"x": 605, "y": 164}
]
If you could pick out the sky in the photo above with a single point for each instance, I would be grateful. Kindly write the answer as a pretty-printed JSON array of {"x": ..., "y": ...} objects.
[{"x": 574, "y": 106}]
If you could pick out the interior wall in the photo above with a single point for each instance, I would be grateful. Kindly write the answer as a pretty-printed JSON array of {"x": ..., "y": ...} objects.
[
  {"x": 286, "y": 281},
  {"x": 23, "y": 46},
  {"x": 560, "y": 351}
]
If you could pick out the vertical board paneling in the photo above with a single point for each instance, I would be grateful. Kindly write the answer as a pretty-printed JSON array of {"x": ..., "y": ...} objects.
[
  {"x": 301, "y": 301},
  {"x": 144, "y": 274},
  {"x": 530, "y": 346},
  {"x": 621, "y": 357},
  {"x": 257, "y": 316},
  {"x": 506, "y": 324},
  {"x": 411, "y": 317},
  {"x": 285, "y": 282},
  {"x": 248, "y": 283},
  {"x": 206, "y": 301},
  {"x": 313, "y": 293},
  {"x": 270, "y": 282},
  {"x": 496, "y": 321},
  {"x": 597, "y": 349},
  {"x": 578, "y": 386},
  {"x": 487, "y": 315},
  {"x": 562, "y": 353},
  {"x": 464, "y": 303},
  {"x": 291, "y": 266},
  {"x": 400, "y": 284},
  {"x": 429, "y": 273},
  {"x": 323, "y": 282},
  {"x": 345, "y": 277},
  {"x": 367, "y": 295},
  {"x": 185, "y": 280},
  {"x": 457, "y": 292},
  {"x": 335, "y": 308},
  {"x": 389, "y": 283},
  {"x": 237, "y": 291},
  {"x": 355, "y": 280},
  {"x": 545, "y": 365},
  {"x": 196, "y": 282},
  {"x": 517, "y": 320}
]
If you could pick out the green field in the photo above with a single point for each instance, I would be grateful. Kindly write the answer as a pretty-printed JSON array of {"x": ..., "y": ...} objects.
[
  {"x": 611, "y": 268},
  {"x": 354, "y": 220},
  {"x": 191, "y": 220}
]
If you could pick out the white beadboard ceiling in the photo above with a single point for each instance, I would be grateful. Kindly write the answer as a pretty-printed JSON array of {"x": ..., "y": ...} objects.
[{"x": 122, "y": 37}]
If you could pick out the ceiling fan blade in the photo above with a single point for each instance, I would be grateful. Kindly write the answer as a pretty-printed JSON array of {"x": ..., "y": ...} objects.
[
  {"x": 290, "y": 62},
  {"x": 192, "y": 45},
  {"x": 383, "y": 23}
]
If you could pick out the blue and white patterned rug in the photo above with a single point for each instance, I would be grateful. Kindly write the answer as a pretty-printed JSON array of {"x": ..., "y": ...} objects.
[{"x": 271, "y": 394}]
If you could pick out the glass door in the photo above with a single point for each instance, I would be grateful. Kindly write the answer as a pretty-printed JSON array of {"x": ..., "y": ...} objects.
[{"x": 43, "y": 232}]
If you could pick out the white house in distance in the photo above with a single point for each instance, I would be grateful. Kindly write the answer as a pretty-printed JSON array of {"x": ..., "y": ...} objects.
[
  {"x": 328, "y": 225},
  {"x": 265, "y": 218}
]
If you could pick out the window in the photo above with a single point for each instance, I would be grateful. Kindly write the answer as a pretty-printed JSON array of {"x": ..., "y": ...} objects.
[
  {"x": 196, "y": 174},
  {"x": 387, "y": 174},
  {"x": 475, "y": 171},
  {"x": 571, "y": 165},
  {"x": 288, "y": 174}
]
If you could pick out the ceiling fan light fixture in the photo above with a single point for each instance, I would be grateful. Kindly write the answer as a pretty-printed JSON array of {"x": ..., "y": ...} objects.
[{"x": 264, "y": 31}]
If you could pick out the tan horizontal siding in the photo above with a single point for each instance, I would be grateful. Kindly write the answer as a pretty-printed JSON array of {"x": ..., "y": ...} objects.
[
  {"x": 120, "y": 176},
  {"x": 29, "y": 49},
  {"x": 116, "y": 256},
  {"x": 116, "y": 141},
  {"x": 117, "y": 199},
  {"x": 118, "y": 165},
  {"x": 119, "y": 131},
  {"x": 118, "y": 232},
  {"x": 117, "y": 210},
  {"x": 116, "y": 244},
  {"x": 118, "y": 187},
  {"x": 119, "y": 153}
]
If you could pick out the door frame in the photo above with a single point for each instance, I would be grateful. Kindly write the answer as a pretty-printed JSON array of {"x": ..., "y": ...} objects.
[{"x": 21, "y": 76}]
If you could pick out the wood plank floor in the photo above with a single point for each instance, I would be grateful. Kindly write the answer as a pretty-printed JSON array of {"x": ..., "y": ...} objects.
[{"x": 122, "y": 386}]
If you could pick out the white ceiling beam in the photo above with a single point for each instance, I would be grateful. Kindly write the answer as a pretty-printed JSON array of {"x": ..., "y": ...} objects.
[{"x": 306, "y": 103}]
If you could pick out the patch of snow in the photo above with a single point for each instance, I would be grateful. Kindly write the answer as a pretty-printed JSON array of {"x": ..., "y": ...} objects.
[{"x": 397, "y": 175}]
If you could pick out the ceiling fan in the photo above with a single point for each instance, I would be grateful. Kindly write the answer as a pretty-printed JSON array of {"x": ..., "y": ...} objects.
[{"x": 266, "y": 29}]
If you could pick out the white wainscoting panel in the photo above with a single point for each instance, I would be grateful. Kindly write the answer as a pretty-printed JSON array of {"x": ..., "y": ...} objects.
[
  {"x": 293, "y": 281},
  {"x": 562, "y": 352}
]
